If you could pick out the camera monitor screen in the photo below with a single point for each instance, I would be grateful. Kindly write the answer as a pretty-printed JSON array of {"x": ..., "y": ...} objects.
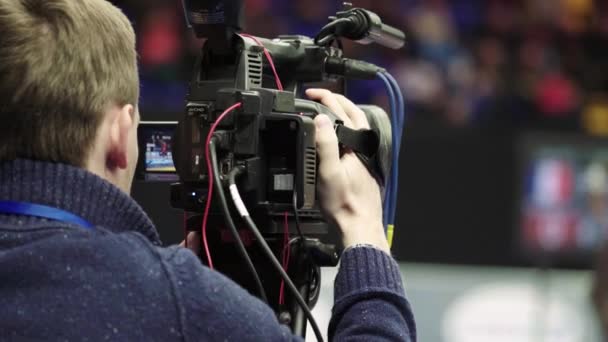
[
  {"x": 155, "y": 149},
  {"x": 564, "y": 202}
]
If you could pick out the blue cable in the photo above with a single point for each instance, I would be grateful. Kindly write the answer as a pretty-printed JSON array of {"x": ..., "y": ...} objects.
[
  {"x": 397, "y": 124},
  {"x": 400, "y": 103},
  {"x": 388, "y": 207},
  {"x": 388, "y": 191},
  {"x": 400, "y": 125}
]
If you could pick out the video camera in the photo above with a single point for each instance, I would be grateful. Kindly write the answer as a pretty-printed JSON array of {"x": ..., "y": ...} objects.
[{"x": 247, "y": 127}]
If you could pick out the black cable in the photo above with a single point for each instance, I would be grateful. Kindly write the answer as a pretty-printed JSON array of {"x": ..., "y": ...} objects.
[
  {"x": 284, "y": 275},
  {"x": 230, "y": 223},
  {"x": 326, "y": 40},
  {"x": 340, "y": 45},
  {"x": 273, "y": 260},
  {"x": 302, "y": 248},
  {"x": 331, "y": 29},
  {"x": 297, "y": 215}
]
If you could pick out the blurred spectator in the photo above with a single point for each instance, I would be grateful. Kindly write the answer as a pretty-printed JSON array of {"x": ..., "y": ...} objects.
[
  {"x": 556, "y": 95},
  {"x": 524, "y": 63},
  {"x": 595, "y": 115},
  {"x": 595, "y": 222},
  {"x": 160, "y": 41}
]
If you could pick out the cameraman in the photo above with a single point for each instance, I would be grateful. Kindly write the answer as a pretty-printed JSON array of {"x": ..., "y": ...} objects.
[{"x": 80, "y": 260}]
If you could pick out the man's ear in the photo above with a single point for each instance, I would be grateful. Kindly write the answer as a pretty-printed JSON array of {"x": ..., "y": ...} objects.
[{"x": 122, "y": 121}]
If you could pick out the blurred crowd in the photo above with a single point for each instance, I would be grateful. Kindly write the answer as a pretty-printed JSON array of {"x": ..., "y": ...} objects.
[{"x": 515, "y": 63}]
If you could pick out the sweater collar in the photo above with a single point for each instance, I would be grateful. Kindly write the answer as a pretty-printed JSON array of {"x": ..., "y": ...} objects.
[{"x": 77, "y": 191}]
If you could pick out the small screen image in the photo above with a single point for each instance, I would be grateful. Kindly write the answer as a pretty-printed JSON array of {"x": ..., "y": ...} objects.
[
  {"x": 564, "y": 208},
  {"x": 156, "y": 151}
]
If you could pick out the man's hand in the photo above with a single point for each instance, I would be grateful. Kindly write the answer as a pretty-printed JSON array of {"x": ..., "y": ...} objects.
[
  {"x": 349, "y": 195},
  {"x": 193, "y": 240}
]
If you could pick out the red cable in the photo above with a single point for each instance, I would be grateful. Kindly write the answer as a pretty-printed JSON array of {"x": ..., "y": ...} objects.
[
  {"x": 286, "y": 252},
  {"x": 269, "y": 57},
  {"x": 210, "y": 176}
]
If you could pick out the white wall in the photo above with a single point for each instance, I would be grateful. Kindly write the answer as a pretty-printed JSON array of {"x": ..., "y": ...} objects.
[{"x": 470, "y": 304}]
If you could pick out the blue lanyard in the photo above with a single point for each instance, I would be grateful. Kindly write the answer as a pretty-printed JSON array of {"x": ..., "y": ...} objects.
[{"x": 38, "y": 210}]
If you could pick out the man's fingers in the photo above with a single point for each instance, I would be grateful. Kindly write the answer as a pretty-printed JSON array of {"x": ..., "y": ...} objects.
[
  {"x": 327, "y": 147},
  {"x": 329, "y": 99},
  {"x": 193, "y": 242},
  {"x": 356, "y": 115}
]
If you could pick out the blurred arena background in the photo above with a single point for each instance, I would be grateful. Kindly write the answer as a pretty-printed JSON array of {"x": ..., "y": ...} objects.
[{"x": 504, "y": 167}]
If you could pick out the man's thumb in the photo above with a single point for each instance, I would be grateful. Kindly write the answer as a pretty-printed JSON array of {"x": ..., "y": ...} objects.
[{"x": 327, "y": 147}]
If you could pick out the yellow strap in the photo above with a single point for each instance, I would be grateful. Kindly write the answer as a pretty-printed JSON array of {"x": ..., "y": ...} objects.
[{"x": 389, "y": 235}]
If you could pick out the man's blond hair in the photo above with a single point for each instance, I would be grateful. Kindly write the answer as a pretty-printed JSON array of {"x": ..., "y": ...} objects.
[{"x": 62, "y": 63}]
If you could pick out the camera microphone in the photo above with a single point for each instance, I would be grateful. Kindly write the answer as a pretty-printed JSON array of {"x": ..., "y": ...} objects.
[{"x": 367, "y": 27}]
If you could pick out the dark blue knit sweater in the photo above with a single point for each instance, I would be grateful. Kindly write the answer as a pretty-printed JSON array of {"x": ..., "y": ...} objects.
[{"x": 59, "y": 281}]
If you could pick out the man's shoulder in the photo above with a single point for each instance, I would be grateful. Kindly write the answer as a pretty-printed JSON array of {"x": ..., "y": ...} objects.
[
  {"x": 134, "y": 253},
  {"x": 98, "y": 257},
  {"x": 216, "y": 307},
  {"x": 131, "y": 286},
  {"x": 92, "y": 283}
]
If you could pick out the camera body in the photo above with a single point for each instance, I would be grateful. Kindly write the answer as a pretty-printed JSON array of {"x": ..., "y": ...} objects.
[
  {"x": 272, "y": 134},
  {"x": 270, "y": 137}
]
